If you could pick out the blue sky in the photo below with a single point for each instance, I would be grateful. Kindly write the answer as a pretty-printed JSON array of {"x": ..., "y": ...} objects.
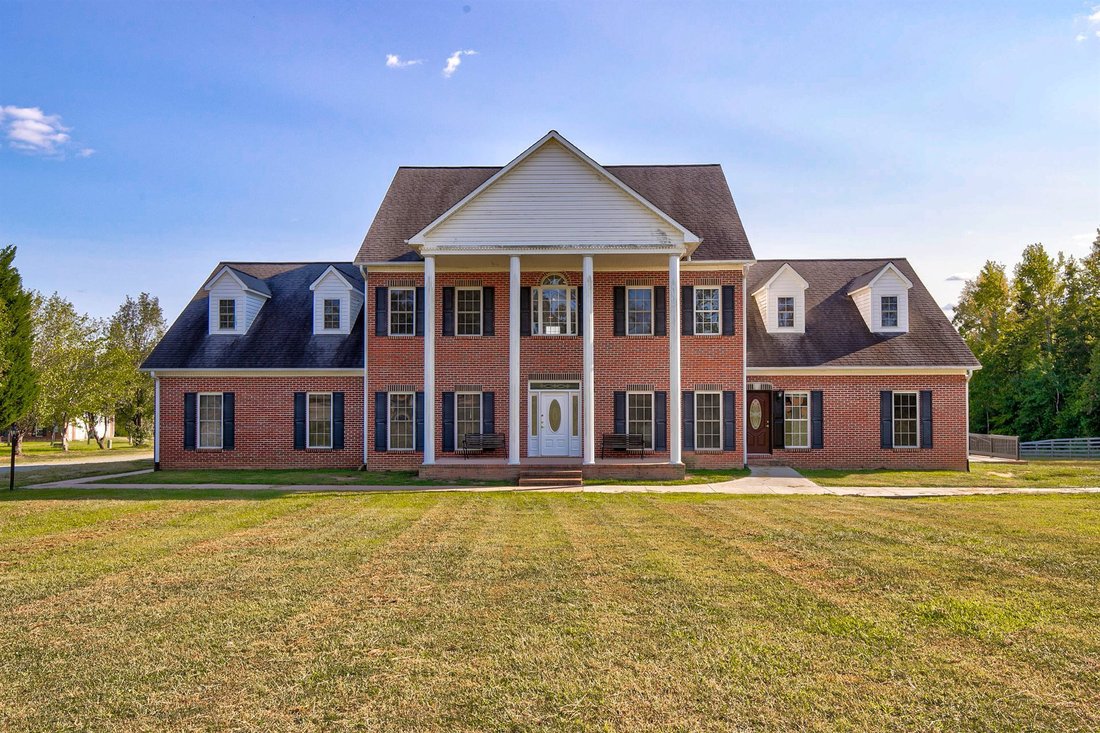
[{"x": 142, "y": 142}]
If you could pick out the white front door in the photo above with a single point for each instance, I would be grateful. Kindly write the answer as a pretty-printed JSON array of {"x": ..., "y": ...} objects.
[{"x": 554, "y": 422}]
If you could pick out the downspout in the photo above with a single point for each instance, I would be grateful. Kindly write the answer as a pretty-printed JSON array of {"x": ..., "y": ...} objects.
[
  {"x": 744, "y": 365},
  {"x": 156, "y": 421},
  {"x": 366, "y": 331},
  {"x": 969, "y": 374}
]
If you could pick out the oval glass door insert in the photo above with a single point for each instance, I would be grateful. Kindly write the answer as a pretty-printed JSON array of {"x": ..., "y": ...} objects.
[
  {"x": 755, "y": 413},
  {"x": 555, "y": 415}
]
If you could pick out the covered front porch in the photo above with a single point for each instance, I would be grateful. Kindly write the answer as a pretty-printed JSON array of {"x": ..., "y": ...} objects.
[{"x": 497, "y": 468}]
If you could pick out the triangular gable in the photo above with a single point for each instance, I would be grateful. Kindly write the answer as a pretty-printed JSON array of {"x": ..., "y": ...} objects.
[
  {"x": 554, "y": 193},
  {"x": 247, "y": 283},
  {"x": 864, "y": 282},
  {"x": 332, "y": 271},
  {"x": 785, "y": 269}
]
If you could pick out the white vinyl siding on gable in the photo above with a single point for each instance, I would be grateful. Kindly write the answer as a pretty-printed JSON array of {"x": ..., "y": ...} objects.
[
  {"x": 869, "y": 301},
  {"x": 333, "y": 287},
  {"x": 785, "y": 284},
  {"x": 247, "y": 305},
  {"x": 553, "y": 198}
]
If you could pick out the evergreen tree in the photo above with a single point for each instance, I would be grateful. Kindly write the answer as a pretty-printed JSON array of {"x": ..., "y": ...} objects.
[
  {"x": 982, "y": 316},
  {"x": 18, "y": 387}
]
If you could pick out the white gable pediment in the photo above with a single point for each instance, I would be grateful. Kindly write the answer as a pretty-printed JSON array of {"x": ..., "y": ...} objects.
[{"x": 553, "y": 195}]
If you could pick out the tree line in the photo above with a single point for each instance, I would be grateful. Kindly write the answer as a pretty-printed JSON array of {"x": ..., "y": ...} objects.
[
  {"x": 1037, "y": 334},
  {"x": 59, "y": 366}
]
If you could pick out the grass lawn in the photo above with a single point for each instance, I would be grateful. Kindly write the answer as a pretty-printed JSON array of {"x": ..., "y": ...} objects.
[
  {"x": 218, "y": 610},
  {"x": 293, "y": 476},
  {"x": 62, "y": 471},
  {"x": 1034, "y": 474},
  {"x": 696, "y": 476},
  {"x": 41, "y": 450}
]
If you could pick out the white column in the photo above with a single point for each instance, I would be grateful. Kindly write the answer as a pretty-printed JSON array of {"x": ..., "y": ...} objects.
[
  {"x": 366, "y": 391},
  {"x": 588, "y": 397},
  {"x": 156, "y": 422},
  {"x": 513, "y": 362},
  {"x": 429, "y": 361},
  {"x": 675, "y": 398}
]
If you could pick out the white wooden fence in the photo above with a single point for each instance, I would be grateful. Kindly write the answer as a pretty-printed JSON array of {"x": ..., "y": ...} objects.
[
  {"x": 997, "y": 446},
  {"x": 1061, "y": 448}
]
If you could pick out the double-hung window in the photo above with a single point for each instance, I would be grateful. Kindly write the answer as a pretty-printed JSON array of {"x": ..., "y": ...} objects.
[
  {"x": 639, "y": 416},
  {"x": 402, "y": 409},
  {"x": 210, "y": 420},
  {"x": 320, "y": 419},
  {"x": 332, "y": 314},
  {"x": 889, "y": 311},
  {"x": 708, "y": 420},
  {"x": 227, "y": 314},
  {"x": 402, "y": 311},
  {"x": 467, "y": 415},
  {"x": 708, "y": 313},
  {"x": 784, "y": 312},
  {"x": 554, "y": 307},
  {"x": 468, "y": 311},
  {"x": 796, "y": 419},
  {"x": 906, "y": 420},
  {"x": 639, "y": 311}
]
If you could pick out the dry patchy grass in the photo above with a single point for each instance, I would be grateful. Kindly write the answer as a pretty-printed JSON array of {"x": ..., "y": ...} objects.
[{"x": 1032, "y": 474}]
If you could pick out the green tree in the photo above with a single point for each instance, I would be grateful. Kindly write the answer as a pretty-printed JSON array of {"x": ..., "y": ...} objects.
[
  {"x": 18, "y": 386},
  {"x": 1088, "y": 392},
  {"x": 133, "y": 331},
  {"x": 65, "y": 357},
  {"x": 982, "y": 317}
]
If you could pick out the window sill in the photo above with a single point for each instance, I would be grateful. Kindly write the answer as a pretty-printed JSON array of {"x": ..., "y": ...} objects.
[{"x": 402, "y": 336}]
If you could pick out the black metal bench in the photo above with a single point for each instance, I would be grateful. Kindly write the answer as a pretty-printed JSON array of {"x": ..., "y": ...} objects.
[
  {"x": 481, "y": 443},
  {"x": 629, "y": 443}
]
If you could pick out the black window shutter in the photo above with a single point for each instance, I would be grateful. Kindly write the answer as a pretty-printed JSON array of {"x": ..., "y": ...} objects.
[
  {"x": 448, "y": 311},
  {"x": 926, "y": 418},
  {"x": 381, "y": 407},
  {"x": 381, "y": 310},
  {"x": 189, "y": 409},
  {"x": 620, "y": 412},
  {"x": 778, "y": 439},
  {"x": 687, "y": 310},
  {"x": 228, "y": 427},
  {"x": 727, "y": 310},
  {"x": 688, "y": 427},
  {"x": 580, "y": 311},
  {"x": 660, "y": 421},
  {"x": 488, "y": 312},
  {"x": 618, "y": 300},
  {"x": 525, "y": 311},
  {"x": 488, "y": 413},
  {"x": 419, "y": 421},
  {"x": 660, "y": 310},
  {"x": 729, "y": 420},
  {"x": 337, "y": 420},
  {"x": 299, "y": 421},
  {"x": 817, "y": 420},
  {"x": 420, "y": 311},
  {"x": 448, "y": 422},
  {"x": 886, "y": 419}
]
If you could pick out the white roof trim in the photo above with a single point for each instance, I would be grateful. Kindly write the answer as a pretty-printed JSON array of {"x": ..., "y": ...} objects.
[
  {"x": 888, "y": 266},
  {"x": 332, "y": 268},
  {"x": 785, "y": 268},
  {"x": 226, "y": 268},
  {"x": 418, "y": 239}
]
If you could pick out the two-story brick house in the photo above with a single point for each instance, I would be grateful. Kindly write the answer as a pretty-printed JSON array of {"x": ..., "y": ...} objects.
[{"x": 572, "y": 310}]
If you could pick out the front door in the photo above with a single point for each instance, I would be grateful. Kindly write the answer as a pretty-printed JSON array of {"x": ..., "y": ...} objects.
[
  {"x": 760, "y": 422},
  {"x": 554, "y": 421}
]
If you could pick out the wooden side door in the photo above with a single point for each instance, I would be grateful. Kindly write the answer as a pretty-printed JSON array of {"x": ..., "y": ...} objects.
[{"x": 759, "y": 417}]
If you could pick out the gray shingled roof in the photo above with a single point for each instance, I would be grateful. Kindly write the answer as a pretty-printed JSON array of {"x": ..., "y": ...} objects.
[
  {"x": 697, "y": 196},
  {"x": 281, "y": 337},
  {"x": 252, "y": 282},
  {"x": 836, "y": 334}
]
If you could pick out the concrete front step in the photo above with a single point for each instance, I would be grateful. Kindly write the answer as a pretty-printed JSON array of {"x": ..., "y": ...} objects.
[{"x": 548, "y": 479}]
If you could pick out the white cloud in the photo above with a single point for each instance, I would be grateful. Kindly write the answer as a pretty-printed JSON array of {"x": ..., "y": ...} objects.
[
  {"x": 30, "y": 130},
  {"x": 454, "y": 60},
  {"x": 1080, "y": 37},
  {"x": 1095, "y": 17},
  {"x": 86, "y": 153},
  {"x": 393, "y": 61},
  {"x": 958, "y": 277}
]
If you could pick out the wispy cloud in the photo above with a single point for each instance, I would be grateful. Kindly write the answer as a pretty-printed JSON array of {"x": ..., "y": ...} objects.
[
  {"x": 393, "y": 61},
  {"x": 1080, "y": 37},
  {"x": 958, "y": 277},
  {"x": 1095, "y": 17},
  {"x": 32, "y": 131},
  {"x": 454, "y": 60}
]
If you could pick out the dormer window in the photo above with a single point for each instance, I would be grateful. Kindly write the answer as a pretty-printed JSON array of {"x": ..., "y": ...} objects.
[
  {"x": 782, "y": 301},
  {"x": 882, "y": 296},
  {"x": 227, "y": 314},
  {"x": 889, "y": 311},
  {"x": 785, "y": 312},
  {"x": 332, "y": 314},
  {"x": 336, "y": 302}
]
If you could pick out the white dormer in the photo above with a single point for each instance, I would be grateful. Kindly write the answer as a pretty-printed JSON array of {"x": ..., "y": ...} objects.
[
  {"x": 336, "y": 302},
  {"x": 782, "y": 301},
  {"x": 882, "y": 297},
  {"x": 235, "y": 300}
]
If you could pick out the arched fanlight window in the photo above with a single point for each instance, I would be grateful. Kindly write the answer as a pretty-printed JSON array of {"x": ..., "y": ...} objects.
[{"x": 554, "y": 307}]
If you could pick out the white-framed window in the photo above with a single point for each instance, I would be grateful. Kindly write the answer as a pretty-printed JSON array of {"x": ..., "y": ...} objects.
[
  {"x": 332, "y": 314},
  {"x": 906, "y": 420},
  {"x": 796, "y": 419},
  {"x": 467, "y": 415},
  {"x": 209, "y": 422},
  {"x": 708, "y": 311},
  {"x": 639, "y": 416},
  {"x": 402, "y": 311},
  {"x": 889, "y": 311},
  {"x": 708, "y": 421},
  {"x": 784, "y": 311},
  {"x": 227, "y": 314},
  {"x": 402, "y": 414},
  {"x": 468, "y": 311},
  {"x": 319, "y": 422},
  {"x": 639, "y": 311},
  {"x": 554, "y": 307}
]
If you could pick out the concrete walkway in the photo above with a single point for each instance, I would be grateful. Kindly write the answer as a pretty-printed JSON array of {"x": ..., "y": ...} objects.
[
  {"x": 773, "y": 480},
  {"x": 75, "y": 459}
]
